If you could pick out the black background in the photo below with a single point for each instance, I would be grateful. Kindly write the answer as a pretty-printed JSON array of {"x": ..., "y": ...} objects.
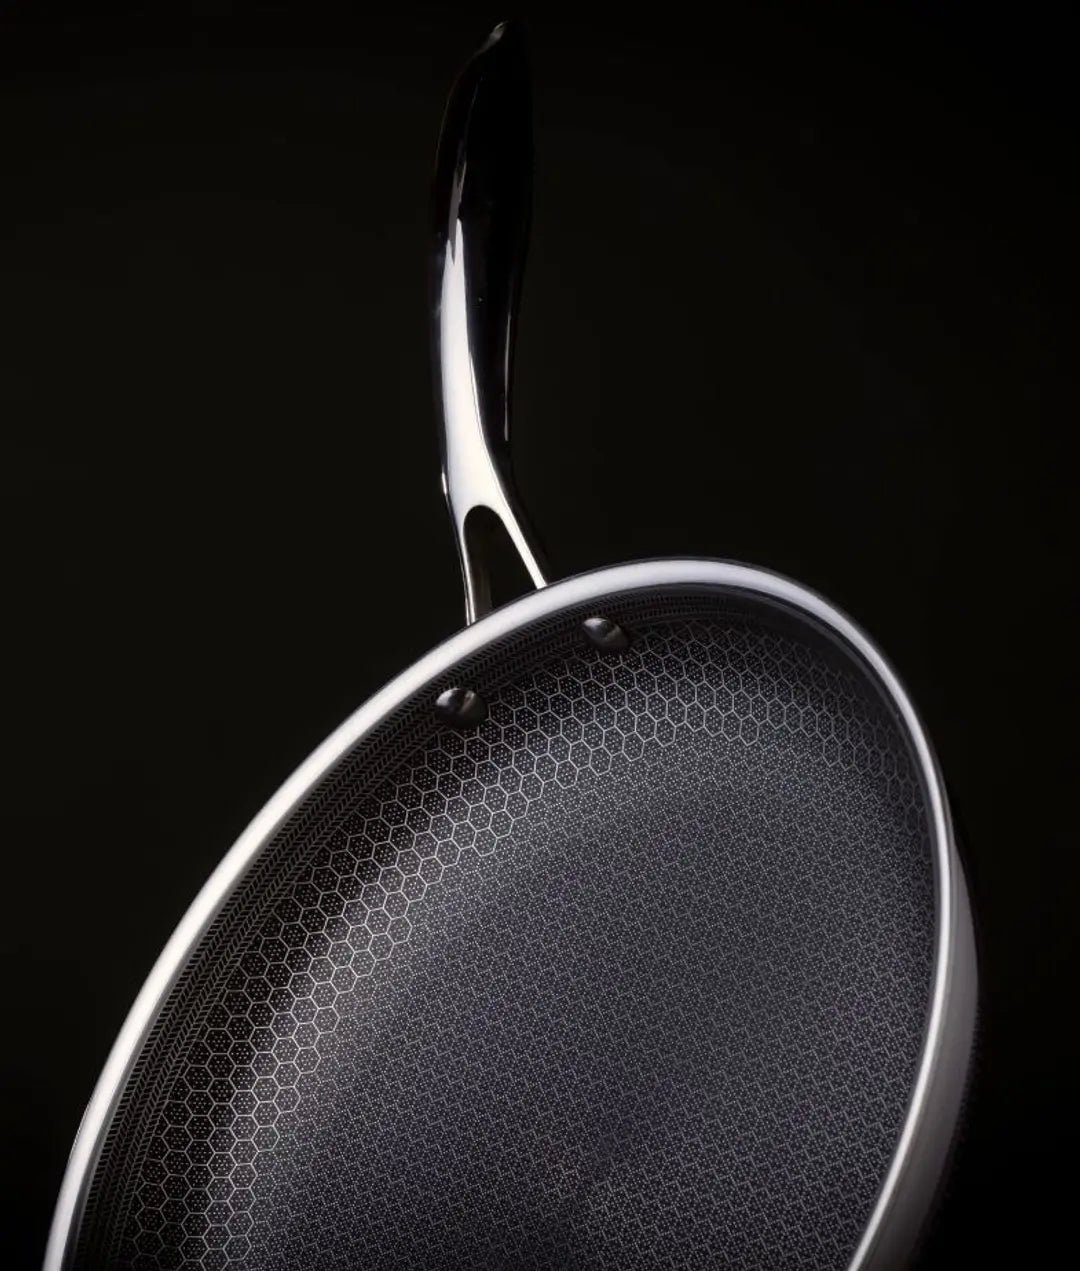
[{"x": 797, "y": 295}]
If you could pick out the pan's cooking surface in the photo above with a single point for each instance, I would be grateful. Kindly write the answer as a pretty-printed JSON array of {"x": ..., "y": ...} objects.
[{"x": 634, "y": 974}]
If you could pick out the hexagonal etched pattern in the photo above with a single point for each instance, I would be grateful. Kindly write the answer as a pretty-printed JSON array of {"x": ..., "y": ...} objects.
[{"x": 632, "y": 975}]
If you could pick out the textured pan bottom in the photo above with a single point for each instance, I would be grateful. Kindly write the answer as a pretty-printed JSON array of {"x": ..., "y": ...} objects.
[{"x": 634, "y": 974}]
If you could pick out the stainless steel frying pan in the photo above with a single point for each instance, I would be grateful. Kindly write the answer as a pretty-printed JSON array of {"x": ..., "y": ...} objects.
[{"x": 625, "y": 929}]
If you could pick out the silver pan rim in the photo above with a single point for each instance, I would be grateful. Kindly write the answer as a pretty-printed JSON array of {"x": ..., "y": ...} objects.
[{"x": 947, "y": 1036}]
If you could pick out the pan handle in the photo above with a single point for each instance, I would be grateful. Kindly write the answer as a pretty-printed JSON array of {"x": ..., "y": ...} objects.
[{"x": 483, "y": 188}]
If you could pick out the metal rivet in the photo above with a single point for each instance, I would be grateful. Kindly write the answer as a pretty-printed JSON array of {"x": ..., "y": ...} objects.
[
  {"x": 461, "y": 707},
  {"x": 606, "y": 635}
]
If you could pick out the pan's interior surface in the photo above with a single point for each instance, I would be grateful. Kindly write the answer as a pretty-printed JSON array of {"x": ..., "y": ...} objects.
[{"x": 635, "y": 973}]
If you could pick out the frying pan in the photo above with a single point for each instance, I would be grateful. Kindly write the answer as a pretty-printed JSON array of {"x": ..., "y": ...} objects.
[{"x": 624, "y": 929}]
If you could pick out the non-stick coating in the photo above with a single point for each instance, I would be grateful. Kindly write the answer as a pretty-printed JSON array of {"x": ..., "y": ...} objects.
[{"x": 633, "y": 974}]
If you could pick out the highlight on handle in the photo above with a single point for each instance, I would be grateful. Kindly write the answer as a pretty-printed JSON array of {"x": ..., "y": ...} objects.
[{"x": 483, "y": 194}]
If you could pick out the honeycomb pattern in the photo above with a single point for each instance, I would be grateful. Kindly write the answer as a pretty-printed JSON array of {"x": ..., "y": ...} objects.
[{"x": 632, "y": 975}]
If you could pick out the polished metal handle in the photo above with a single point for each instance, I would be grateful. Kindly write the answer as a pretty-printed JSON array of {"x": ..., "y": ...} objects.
[{"x": 483, "y": 187}]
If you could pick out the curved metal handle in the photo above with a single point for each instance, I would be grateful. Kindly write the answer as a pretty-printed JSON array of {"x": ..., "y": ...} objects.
[{"x": 483, "y": 188}]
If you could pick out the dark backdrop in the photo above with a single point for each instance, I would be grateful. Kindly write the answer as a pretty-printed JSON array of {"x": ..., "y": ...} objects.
[{"x": 797, "y": 295}]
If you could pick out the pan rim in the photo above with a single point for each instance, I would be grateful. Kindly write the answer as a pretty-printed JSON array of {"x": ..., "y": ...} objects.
[{"x": 946, "y": 1034}]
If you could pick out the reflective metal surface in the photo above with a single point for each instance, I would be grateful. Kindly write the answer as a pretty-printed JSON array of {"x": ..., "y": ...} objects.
[
  {"x": 937, "y": 1093},
  {"x": 482, "y": 195}
]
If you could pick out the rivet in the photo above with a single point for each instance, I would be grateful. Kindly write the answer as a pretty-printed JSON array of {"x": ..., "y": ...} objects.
[
  {"x": 461, "y": 707},
  {"x": 606, "y": 635}
]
